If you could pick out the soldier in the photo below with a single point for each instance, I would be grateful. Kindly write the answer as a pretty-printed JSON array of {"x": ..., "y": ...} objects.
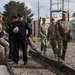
[
  {"x": 43, "y": 35},
  {"x": 64, "y": 31},
  {"x": 52, "y": 36},
  {"x": 30, "y": 39},
  {"x": 11, "y": 37},
  {"x": 3, "y": 42},
  {"x": 29, "y": 20}
]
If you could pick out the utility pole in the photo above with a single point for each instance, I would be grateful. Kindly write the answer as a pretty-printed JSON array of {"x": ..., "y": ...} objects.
[
  {"x": 68, "y": 10},
  {"x": 62, "y": 5},
  {"x": 50, "y": 9},
  {"x": 38, "y": 19}
]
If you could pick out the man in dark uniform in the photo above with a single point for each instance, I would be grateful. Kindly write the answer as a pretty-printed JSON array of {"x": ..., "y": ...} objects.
[
  {"x": 11, "y": 38},
  {"x": 21, "y": 39}
]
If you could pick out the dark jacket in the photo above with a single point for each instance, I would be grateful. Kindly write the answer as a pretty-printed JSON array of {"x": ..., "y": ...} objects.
[
  {"x": 9, "y": 30},
  {"x": 23, "y": 26}
]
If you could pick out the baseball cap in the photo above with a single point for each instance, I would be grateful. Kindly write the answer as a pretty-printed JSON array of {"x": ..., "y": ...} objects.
[
  {"x": 15, "y": 16},
  {"x": 20, "y": 15}
]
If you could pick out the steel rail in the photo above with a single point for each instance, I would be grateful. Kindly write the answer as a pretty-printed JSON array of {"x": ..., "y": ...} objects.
[
  {"x": 61, "y": 66},
  {"x": 4, "y": 62}
]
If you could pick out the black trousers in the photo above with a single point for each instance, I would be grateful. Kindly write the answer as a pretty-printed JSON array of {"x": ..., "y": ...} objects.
[
  {"x": 11, "y": 42},
  {"x": 23, "y": 43}
]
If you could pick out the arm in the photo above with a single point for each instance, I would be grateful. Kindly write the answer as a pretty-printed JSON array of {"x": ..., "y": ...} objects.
[
  {"x": 57, "y": 31},
  {"x": 29, "y": 30},
  {"x": 48, "y": 34},
  {"x": 41, "y": 34}
]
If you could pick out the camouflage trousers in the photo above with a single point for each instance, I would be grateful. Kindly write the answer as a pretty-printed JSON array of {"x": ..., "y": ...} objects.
[
  {"x": 54, "y": 46},
  {"x": 4, "y": 44},
  {"x": 62, "y": 47},
  {"x": 44, "y": 45}
]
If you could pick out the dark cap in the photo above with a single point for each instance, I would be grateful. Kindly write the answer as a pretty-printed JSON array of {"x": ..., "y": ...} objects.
[
  {"x": 19, "y": 15},
  {"x": 15, "y": 16}
]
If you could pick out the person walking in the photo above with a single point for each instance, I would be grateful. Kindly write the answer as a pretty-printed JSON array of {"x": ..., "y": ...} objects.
[
  {"x": 64, "y": 31},
  {"x": 52, "y": 36},
  {"x": 43, "y": 34}
]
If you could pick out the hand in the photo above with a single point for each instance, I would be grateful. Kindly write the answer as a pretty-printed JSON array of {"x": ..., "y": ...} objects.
[
  {"x": 15, "y": 31},
  {"x": 48, "y": 42},
  {"x": 60, "y": 38}
]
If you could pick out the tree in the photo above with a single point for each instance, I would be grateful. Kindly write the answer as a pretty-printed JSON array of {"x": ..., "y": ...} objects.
[{"x": 14, "y": 8}]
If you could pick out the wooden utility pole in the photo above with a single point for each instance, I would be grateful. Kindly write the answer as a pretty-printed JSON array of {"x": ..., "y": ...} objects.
[
  {"x": 38, "y": 19},
  {"x": 68, "y": 10},
  {"x": 50, "y": 9},
  {"x": 62, "y": 5}
]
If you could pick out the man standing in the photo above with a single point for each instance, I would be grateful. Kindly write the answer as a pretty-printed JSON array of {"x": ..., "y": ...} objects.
[
  {"x": 43, "y": 35},
  {"x": 21, "y": 39},
  {"x": 11, "y": 37},
  {"x": 3, "y": 42},
  {"x": 64, "y": 31}
]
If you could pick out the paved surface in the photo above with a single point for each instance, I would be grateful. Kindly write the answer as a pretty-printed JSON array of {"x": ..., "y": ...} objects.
[{"x": 3, "y": 70}]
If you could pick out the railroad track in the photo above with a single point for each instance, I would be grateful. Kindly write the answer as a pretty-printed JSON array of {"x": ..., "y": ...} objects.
[
  {"x": 61, "y": 66},
  {"x": 35, "y": 66},
  {"x": 3, "y": 61}
]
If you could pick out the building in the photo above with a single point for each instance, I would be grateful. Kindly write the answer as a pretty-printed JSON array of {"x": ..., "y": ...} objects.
[{"x": 72, "y": 21}]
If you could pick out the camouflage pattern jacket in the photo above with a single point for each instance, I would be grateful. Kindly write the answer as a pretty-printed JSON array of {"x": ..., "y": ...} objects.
[
  {"x": 53, "y": 32},
  {"x": 43, "y": 30},
  {"x": 64, "y": 29}
]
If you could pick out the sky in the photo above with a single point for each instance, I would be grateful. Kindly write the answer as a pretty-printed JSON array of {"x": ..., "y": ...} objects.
[{"x": 44, "y": 6}]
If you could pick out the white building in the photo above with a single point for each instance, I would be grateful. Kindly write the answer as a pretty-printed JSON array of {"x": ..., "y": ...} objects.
[{"x": 72, "y": 21}]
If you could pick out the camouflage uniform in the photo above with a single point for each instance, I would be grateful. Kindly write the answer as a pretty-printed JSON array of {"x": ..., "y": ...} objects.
[
  {"x": 30, "y": 40},
  {"x": 3, "y": 42},
  {"x": 43, "y": 35},
  {"x": 53, "y": 37},
  {"x": 64, "y": 31}
]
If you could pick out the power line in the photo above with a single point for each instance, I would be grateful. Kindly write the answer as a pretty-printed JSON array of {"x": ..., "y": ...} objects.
[{"x": 70, "y": 1}]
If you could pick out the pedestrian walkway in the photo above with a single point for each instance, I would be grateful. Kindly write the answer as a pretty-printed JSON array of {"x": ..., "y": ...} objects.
[{"x": 3, "y": 70}]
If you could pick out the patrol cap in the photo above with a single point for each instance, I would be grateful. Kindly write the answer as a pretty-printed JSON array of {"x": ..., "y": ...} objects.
[
  {"x": 52, "y": 19},
  {"x": 29, "y": 19},
  {"x": 64, "y": 12},
  {"x": 44, "y": 19},
  {"x": 1, "y": 15}
]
